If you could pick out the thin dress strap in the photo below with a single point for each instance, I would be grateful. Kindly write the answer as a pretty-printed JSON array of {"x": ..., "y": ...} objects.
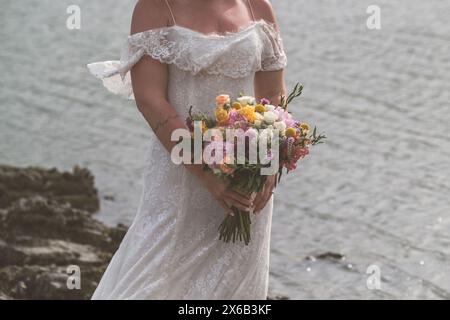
[
  {"x": 171, "y": 12},
  {"x": 251, "y": 9}
]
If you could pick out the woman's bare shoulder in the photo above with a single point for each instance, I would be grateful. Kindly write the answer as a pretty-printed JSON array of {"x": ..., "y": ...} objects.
[
  {"x": 263, "y": 10},
  {"x": 149, "y": 14}
]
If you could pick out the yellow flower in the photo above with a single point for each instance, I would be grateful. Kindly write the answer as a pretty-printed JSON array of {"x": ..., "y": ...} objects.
[
  {"x": 222, "y": 100},
  {"x": 260, "y": 108},
  {"x": 221, "y": 115},
  {"x": 237, "y": 106},
  {"x": 204, "y": 127},
  {"x": 305, "y": 127},
  {"x": 291, "y": 132},
  {"x": 248, "y": 112}
]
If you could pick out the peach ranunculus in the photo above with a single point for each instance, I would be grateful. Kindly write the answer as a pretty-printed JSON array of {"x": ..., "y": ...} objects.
[{"x": 222, "y": 100}]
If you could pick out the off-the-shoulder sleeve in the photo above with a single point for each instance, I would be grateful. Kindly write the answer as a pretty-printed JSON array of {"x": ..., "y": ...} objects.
[
  {"x": 116, "y": 74},
  {"x": 273, "y": 55}
]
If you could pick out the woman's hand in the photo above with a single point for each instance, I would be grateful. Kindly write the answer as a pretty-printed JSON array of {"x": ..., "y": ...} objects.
[
  {"x": 226, "y": 196},
  {"x": 265, "y": 194}
]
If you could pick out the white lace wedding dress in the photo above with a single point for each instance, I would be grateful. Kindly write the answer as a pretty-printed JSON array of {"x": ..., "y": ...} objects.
[{"x": 172, "y": 250}]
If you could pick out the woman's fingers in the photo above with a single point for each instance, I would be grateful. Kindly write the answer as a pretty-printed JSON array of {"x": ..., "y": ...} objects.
[
  {"x": 250, "y": 203},
  {"x": 237, "y": 205},
  {"x": 234, "y": 203},
  {"x": 227, "y": 208},
  {"x": 246, "y": 201}
]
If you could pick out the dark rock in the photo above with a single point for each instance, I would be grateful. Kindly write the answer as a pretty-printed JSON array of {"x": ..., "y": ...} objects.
[
  {"x": 76, "y": 187},
  {"x": 330, "y": 256},
  {"x": 108, "y": 198},
  {"x": 46, "y": 227}
]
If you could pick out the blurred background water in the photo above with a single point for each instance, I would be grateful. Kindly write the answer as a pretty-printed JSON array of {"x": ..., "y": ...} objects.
[{"x": 377, "y": 192}]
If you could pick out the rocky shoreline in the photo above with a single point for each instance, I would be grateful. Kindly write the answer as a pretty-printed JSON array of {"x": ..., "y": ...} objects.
[
  {"x": 46, "y": 226},
  {"x": 48, "y": 233}
]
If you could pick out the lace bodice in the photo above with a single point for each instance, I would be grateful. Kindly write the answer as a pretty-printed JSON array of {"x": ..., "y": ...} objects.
[{"x": 235, "y": 54}]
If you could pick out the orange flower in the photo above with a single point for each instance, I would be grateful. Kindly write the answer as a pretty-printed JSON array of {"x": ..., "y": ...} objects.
[
  {"x": 222, "y": 100},
  {"x": 221, "y": 115},
  {"x": 248, "y": 112},
  {"x": 237, "y": 106}
]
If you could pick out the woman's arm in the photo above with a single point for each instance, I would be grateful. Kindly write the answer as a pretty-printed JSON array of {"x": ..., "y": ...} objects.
[
  {"x": 149, "y": 80},
  {"x": 269, "y": 85}
]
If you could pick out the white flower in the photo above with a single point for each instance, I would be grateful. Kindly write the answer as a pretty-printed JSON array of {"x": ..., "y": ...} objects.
[
  {"x": 259, "y": 116},
  {"x": 245, "y": 100},
  {"x": 280, "y": 125},
  {"x": 269, "y": 107},
  {"x": 257, "y": 123},
  {"x": 270, "y": 117}
]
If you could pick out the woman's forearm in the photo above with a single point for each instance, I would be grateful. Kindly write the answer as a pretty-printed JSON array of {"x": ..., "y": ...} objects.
[
  {"x": 270, "y": 85},
  {"x": 164, "y": 119}
]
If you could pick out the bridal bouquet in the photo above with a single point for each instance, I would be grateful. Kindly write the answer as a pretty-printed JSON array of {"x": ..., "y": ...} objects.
[{"x": 246, "y": 141}]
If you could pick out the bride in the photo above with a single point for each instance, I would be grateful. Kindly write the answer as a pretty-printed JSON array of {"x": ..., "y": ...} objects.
[{"x": 182, "y": 53}]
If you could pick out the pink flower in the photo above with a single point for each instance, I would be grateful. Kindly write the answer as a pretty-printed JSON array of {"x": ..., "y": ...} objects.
[
  {"x": 234, "y": 117},
  {"x": 297, "y": 154},
  {"x": 264, "y": 101},
  {"x": 289, "y": 123}
]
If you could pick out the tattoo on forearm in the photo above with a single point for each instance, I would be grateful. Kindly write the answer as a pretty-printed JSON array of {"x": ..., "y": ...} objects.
[{"x": 161, "y": 124}]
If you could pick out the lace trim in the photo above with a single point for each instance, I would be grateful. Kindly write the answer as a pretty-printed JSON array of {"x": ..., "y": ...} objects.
[
  {"x": 274, "y": 57},
  {"x": 185, "y": 54},
  {"x": 155, "y": 43},
  {"x": 232, "y": 54}
]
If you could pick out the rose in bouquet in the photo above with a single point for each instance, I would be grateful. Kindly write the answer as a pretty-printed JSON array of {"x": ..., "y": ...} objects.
[{"x": 245, "y": 142}]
